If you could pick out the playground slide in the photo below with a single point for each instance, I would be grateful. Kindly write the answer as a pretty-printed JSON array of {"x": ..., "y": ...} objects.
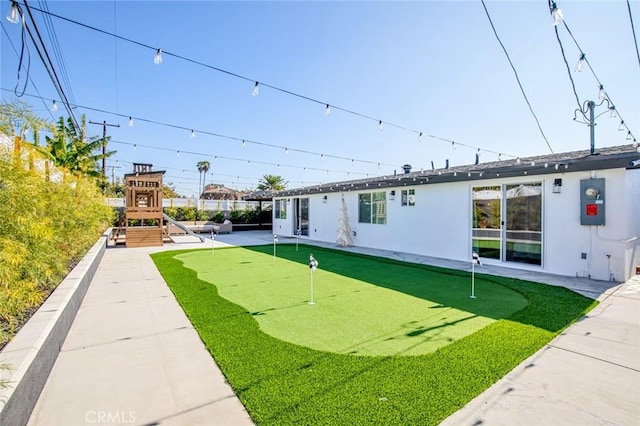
[{"x": 181, "y": 226}]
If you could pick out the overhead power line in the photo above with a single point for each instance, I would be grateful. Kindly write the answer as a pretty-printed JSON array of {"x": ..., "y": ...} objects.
[
  {"x": 633, "y": 31},
  {"x": 517, "y": 77},
  {"x": 328, "y": 106}
]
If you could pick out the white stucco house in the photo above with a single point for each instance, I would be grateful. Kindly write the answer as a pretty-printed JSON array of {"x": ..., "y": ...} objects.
[{"x": 572, "y": 214}]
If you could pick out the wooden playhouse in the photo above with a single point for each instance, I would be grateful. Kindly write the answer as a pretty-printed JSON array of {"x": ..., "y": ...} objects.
[{"x": 143, "y": 206}]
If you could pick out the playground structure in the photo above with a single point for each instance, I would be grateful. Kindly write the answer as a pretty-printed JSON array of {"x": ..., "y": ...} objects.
[
  {"x": 143, "y": 206},
  {"x": 143, "y": 223}
]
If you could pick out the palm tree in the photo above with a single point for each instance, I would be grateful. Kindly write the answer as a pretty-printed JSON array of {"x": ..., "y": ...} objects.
[
  {"x": 203, "y": 168},
  {"x": 272, "y": 183}
]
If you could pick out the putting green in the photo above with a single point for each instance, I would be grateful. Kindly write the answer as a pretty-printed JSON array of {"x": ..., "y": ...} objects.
[{"x": 363, "y": 305}]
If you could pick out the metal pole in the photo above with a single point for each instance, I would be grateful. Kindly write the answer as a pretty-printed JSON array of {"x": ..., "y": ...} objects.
[
  {"x": 473, "y": 279},
  {"x": 104, "y": 125},
  {"x": 311, "y": 302},
  {"x": 591, "y": 105}
]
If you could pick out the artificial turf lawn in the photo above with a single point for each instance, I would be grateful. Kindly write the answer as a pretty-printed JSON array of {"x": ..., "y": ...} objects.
[
  {"x": 283, "y": 383},
  {"x": 361, "y": 306}
]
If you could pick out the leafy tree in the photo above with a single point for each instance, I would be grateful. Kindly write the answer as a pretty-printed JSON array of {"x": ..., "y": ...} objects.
[
  {"x": 17, "y": 118},
  {"x": 70, "y": 149},
  {"x": 169, "y": 191},
  {"x": 203, "y": 168},
  {"x": 272, "y": 183}
]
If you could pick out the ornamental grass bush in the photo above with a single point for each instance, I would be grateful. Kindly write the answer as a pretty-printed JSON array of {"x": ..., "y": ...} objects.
[{"x": 45, "y": 229}]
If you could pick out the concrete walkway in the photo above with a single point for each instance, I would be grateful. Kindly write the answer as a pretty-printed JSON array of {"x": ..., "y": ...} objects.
[
  {"x": 133, "y": 357},
  {"x": 124, "y": 359}
]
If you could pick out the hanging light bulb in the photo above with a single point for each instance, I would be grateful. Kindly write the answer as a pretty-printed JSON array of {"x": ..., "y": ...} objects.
[
  {"x": 613, "y": 112},
  {"x": 629, "y": 135},
  {"x": 286, "y": 151},
  {"x": 244, "y": 144},
  {"x": 453, "y": 145},
  {"x": 601, "y": 93},
  {"x": 327, "y": 110},
  {"x": 518, "y": 161},
  {"x": 158, "y": 58},
  {"x": 622, "y": 126},
  {"x": 193, "y": 134},
  {"x": 546, "y": 165},
  {"x": 256, "y": 89},
  {"x": 455, "y": 173},
  {"x": 130, "y": 122},
  {"x": 499, "y": 156},
  {"x": 580, "y": 63},
  {"x": 14, "y": 15},
  {"x": 419, "y": 137},
  {"x": 178, "y": 153},
  {"x": 380, "y": 126},
  {"x": 135, "y": 146},
  {"x": 321, "y": 157},
  {"x": 556, "y": 13},
  {"x": 378, "y": 165},
  {"x": 533, "y": 163},
  {"x": 54, "y": 106},
  {"x": 557, "y": 166}
]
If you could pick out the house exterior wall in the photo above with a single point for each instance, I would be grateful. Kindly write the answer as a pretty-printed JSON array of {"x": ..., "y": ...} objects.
[{"x": 439, "y": 224}]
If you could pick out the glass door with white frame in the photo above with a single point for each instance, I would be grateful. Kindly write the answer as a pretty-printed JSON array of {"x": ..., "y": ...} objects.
[
  {"x": 486, "y": 230},
  {"x": 523, "y": 230},
  {"x": 507, "y": 222}
]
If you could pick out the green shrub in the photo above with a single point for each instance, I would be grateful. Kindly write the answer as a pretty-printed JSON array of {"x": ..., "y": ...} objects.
[
  {"x": 172, "y": 212},
  {"x": 218, "y": 217},
  {"x": 46, "y": 228},
  {"x": 187, "y": 214}
]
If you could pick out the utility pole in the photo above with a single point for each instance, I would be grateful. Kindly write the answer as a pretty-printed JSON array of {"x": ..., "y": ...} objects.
[
  {"x": 113, "y": 173},
  {"x": 104, "y": 125},
  {"x": 588, "y": 117}
]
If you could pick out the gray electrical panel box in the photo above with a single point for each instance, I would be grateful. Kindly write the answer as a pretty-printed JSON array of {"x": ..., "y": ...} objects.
[{"x": 592, "y": 202}]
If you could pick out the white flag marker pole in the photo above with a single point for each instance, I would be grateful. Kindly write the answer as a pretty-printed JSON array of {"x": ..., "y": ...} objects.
[
  {"x": 298, "y": 232},
  {"x": 475, "y": 259},
  {"x": 275, "y": 242},
  {"x": 213, "y": 238},
  {"x": 313, "y": 265}
]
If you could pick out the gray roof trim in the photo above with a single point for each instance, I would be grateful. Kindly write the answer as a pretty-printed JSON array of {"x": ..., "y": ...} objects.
[{"x": 606, "y": 158}]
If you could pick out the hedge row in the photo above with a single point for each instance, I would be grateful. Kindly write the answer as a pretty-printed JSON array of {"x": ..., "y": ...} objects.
[{"x": 45, "y": 229}]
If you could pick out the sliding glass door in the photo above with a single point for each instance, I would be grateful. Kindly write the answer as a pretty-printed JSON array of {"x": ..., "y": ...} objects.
[
  {"x": 507, "y": 222},
  {"x": 523, "y": 233},
  {"x": 486, "y": 230}
]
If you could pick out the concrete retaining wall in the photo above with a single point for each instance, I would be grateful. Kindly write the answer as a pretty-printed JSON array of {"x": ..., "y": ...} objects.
[{"x": 33, "y": 351}]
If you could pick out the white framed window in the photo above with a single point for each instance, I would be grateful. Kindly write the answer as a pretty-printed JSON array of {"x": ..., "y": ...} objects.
[
  {"x": 372, "y": 208},
  {"x": 281, "y": 208},
  {"x": 408, "y": 197}
]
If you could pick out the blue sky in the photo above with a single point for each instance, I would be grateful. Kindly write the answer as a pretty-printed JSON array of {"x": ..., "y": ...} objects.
[{"x": 431, "y": 67}]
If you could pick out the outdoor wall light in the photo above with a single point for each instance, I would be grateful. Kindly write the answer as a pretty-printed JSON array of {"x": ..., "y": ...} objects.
[
  {"x": 557, "y": 186},
  {"x": 392, "y": 195},
  {"x": 324, "y": 199}
]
